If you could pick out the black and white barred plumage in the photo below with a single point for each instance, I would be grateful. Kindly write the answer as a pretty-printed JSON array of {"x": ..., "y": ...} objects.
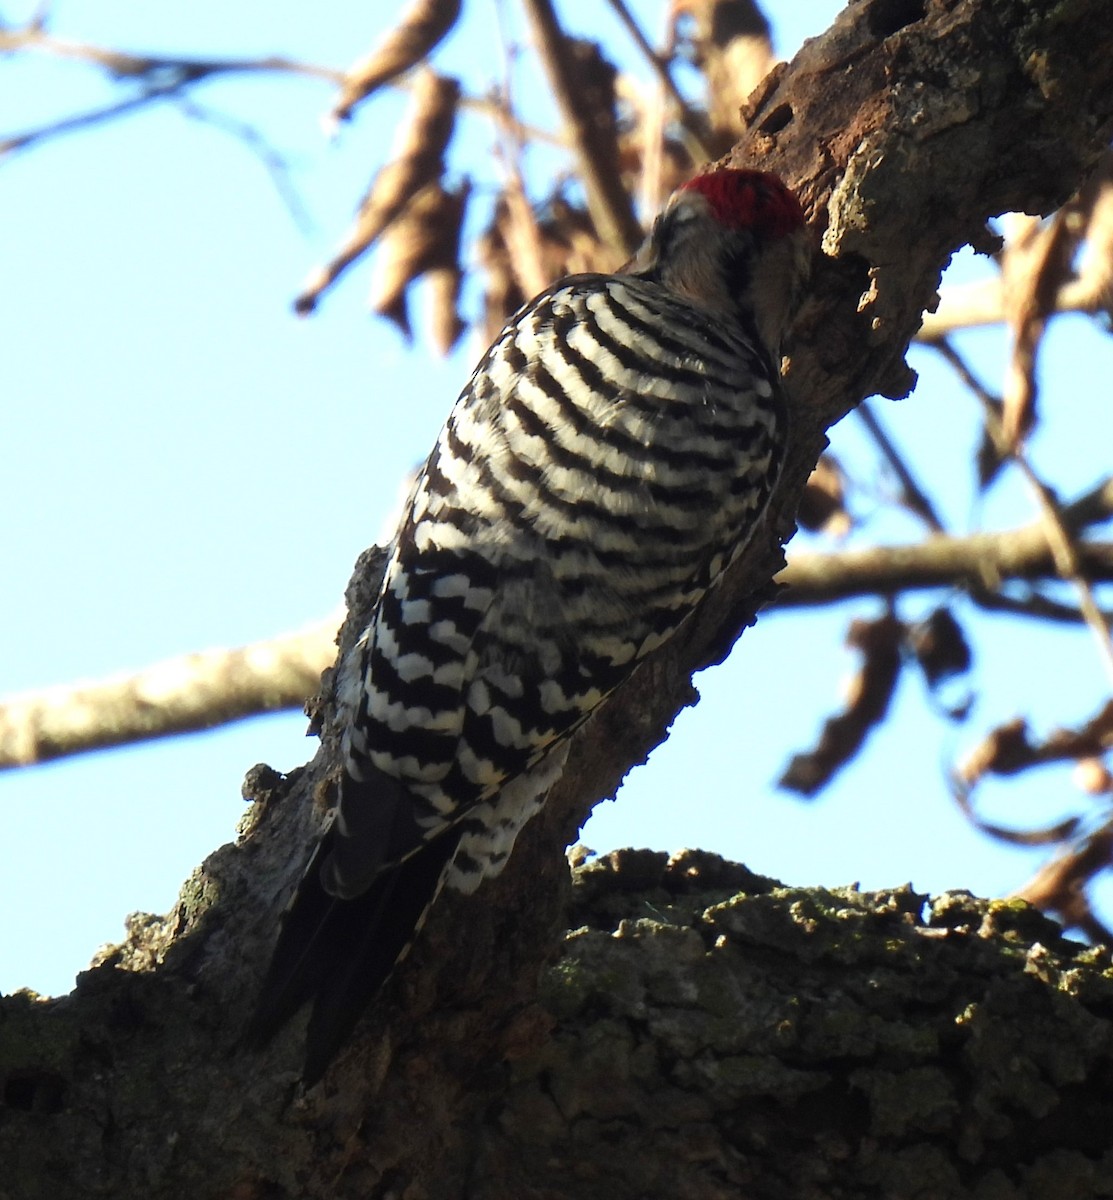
[{"x": 612, "y": 453}]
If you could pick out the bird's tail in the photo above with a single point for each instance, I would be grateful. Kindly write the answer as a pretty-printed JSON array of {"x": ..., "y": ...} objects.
[{"x": 339, "y": 952}]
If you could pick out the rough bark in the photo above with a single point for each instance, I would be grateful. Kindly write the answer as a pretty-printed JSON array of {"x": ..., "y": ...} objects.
[{"x": 804, "y": 1044}]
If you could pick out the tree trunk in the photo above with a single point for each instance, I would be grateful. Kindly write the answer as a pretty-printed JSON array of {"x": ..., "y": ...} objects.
[{"x": 704, "y": 1033}]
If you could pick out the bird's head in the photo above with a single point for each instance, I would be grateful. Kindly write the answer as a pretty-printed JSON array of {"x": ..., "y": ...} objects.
[{"x": 732, "y": 241}]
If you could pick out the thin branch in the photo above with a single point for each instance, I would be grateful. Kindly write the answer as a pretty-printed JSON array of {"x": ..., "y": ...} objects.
[
  {"x": 491, "y": 108},
  {"x": 913, "y": 497},
  {"x": 167, "y": 77},
  {"x": 159, "y": 78},
  {"x": 979, "y": 560},
  {"x": 15, "y": 142},
  {"x": 607, "y": 199},
  {"x": 253, "y": 139},
  {"x": 1094, "y": 507},
  {"x": 123, "y": 65},
  {"x": 1067, "y": 555},
  {"x": 650, "y": 122},
  {"x": 522, "y": 234},
  {"x": 1060, "y": 885},
  {"x": 211, "y": 688},
  {"x": 690, "y": 122},
  {"x": 1068, "y": 562},
  {"x": 1035, "y": 605},
  {"x": 971, "y": 305},
  {"x": 180, "y": 695}
]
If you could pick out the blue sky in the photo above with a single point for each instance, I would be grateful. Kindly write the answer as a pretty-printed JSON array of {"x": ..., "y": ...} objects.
[{"x": 186, "y": 465}]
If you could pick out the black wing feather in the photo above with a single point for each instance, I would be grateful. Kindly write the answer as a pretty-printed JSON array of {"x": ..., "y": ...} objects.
[{"x": 339, "y": 953}]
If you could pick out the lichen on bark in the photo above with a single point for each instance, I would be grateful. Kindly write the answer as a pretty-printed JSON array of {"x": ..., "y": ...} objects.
[{"x": 788, "y": 1042}]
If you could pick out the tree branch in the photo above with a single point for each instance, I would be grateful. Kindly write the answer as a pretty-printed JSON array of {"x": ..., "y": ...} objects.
[
  {"x": 1057, "y": 529},
  {"x": 180, "y": 695},
  {"x": 971, "y": 305},
  {"x": 213, "y": 687},
  {"x": 977, "y": 560},
  {"x": 159, "y": 77},
  {"x": 248, "y": 135},
  {"x": 913, "y": 497},
  {"x": 693, "y": 127},
  {"x": 607, "y": 199},
  {"x": 162, "y": 70}
]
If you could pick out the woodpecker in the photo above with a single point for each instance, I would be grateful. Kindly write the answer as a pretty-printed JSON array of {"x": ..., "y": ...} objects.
[{"x": 612, "y": 454}]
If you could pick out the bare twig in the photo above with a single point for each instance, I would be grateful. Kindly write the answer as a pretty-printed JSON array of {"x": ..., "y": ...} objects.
[
  {"x": 978, "y": 560},
  {"x": 607, "y": 199},
  {"x": 160, "y": 70},
  {"x": 1068, "y": 555},
  {"x": 1060, "y": 885},
  {"x": 486, "y": 106},
  {"x": 13, "y": 143},
  {"x": 1069, "y": 562},
  {"x": 971, "y": 305},
  {"x": 165, "y": 77},
  {"x": 181, "y": 695},
  {"x": 691, "y": 123},
  {"x": 159, "y": 78},
  {"x": 1091, "y": 508},
  {"x": 1035, "y": 605},
  {"x": 275, "y": 165},
  {"x": 523, "y": 238},
  {"x": 651, "y": 130},
  {"x": 913, "y": 497}
]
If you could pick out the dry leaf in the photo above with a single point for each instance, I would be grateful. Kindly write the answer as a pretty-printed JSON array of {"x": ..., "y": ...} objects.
[
  {"x": 1094, "y": 212},
  {"x": 942, "y": 651},
  {"x": 868, "y": 697},
  {"x": 417, "y": 159},
  {"x": 1009, "y": 749},
  {"x": 1035, "y": 264},
  {"x": 415, "y": 36},
  {"x": 1060, "y": 885},
  {"x": 424, "y": 241},
  {"x": 823, "y": 504},
  {"x": 442, "y": 289},
  {"x": 1004, "y": 751},
  {"x": 522, "y": 238}
]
